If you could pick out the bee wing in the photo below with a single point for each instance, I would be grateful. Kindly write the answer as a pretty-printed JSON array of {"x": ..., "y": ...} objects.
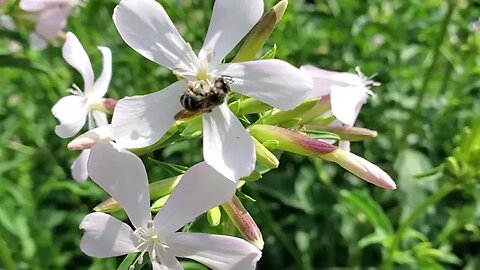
[{"x": 183, "y": 114}]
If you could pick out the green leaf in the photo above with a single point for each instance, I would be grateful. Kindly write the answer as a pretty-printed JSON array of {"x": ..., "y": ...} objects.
[
  {"x": 322, "y": 135},
  {"x": 271, "y": 53},
  {"x": 129, "y": 259},
  {"x": 170, "y": 168},
  {"x": 361, "y": 202}
]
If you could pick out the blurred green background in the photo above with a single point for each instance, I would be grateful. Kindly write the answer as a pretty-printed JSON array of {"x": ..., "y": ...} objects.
[{"x": 313, "y": 214}]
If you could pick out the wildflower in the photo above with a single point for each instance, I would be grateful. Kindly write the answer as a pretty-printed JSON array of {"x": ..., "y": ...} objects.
[
  {"x": 52, "y": 17},
  {"x": 72, "y": 111},
  {"x": 123, "y": 176},
  {"x": 347, "y": 93},
  {"x": 142, "y": 120}
]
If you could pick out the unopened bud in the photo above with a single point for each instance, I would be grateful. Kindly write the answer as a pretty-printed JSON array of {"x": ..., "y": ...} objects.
[
  {"x": 157, "y": 190},
  {"x": 291, "y": 141},
  {"x": 248, "y": 106},
  {"x": 261, "y": 32},
  {"x": 90, "y": 138},
  {"x": 264, "y": 156},
  {"x": 346, "y": 133},
  {"x": 214, "y": 216},
  {"x": 362, "y": 168},
  {"x": 284, "y": 116},
  {"x": 243, "y": 221}
]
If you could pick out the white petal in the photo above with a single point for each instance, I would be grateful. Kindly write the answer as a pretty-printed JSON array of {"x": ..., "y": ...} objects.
[
  {"x": 71, "y": 111},
  {"x": 231, "y": 21},
  {"x": 200, "y": 189},
  {"x": 347, "y": 102},
  {"x": 74, "y": 53},
  {"x": 274, "y": 82},
  {"x": 37, "y": 5},
  {"x": 215, "y": 251},
  {"x": 146, "y": 27},
  {"x": 100, "y": 118},
  {"x": 100, "y": 87},
  {"x": 51, "y": 21},
  {"x": 227, "y": 146},
  {"x": 141, "y": 121},
  {"x": 106, "y": 236},
  {"x": 344, "y": 145},
  {"x": 323, "y": 80},
  {"x": 90, "y": 138},
  {"x": 79, "y": 166},
  {"x": 123, "y": 176},
  {"x": 167, "y": 259}
]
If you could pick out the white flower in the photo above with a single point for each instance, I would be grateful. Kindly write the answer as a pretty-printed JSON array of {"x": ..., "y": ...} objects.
[
  {"x": 123, "y": 176},
  {"x": 142, "y": 120},
  {"x": 72, "y": 111},
  {"x": 347, "y": 93},
  {"x": 52, "y": 17}
]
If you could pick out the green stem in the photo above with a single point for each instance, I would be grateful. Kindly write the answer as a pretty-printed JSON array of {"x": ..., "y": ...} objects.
[
  {"x": 6, "y": 256},
  {"x": 446, "y": 189}
]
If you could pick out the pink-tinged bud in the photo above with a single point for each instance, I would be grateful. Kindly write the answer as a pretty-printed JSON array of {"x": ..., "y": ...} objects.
[
  {"x": 291, "y": 141},
  {"x": 90, "y": 138},
  {"x": 244, "y": 222},
  {"x": 363, "y": 169},
  {"x": 346, "y": 133},
  {"x": 110, "y": 104},
  {"x": 297, "y": 142}
]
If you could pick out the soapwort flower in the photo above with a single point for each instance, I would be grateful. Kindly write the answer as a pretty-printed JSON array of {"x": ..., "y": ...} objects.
[
  {"x": 123, "y": 176},
  {"x": 347, "y": 93},
  {"x": 72, "y": 111},
  {"x": 142, "y": 120},
  {"x": 52, "y": 17}
]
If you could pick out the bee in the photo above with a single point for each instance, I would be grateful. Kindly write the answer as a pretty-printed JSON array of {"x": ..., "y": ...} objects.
[{"x": 203, "y": 98}]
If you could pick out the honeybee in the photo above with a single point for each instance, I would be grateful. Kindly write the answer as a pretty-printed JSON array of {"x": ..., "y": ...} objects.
[{"x": 203, "y": 98}]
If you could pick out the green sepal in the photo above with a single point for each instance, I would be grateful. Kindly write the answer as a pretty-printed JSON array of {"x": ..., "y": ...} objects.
[{"x": 158, "y": 204}]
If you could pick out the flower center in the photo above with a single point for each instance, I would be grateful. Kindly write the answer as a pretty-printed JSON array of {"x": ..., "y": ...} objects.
[
  {"x": 203, "y": 74},
  {"x": 149, "y": 241}
]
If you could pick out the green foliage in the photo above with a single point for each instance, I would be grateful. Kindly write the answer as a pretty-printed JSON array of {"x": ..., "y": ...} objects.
[{"x": 313, "y": 215}]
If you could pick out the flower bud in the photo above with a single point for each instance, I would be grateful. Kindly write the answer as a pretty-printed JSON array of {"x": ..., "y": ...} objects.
[
  {"x": 291, "y": 141},
  {"x": 248, "y": 106},
  {"x": 264, "y": 156},
  {"x": 90, "y": 138},
  {"x": 157, "y": 190},
  {"x": 243, "y": 221},
  {"x": 214, "y": 216},
  {"x": 284, "y": 116},
  {"x": 297, "y": 142},
  {"x": 345, "y": 132},
  {"x": 362, "y": 168},
  {"x": 322, "y": 106},
  {"x": 261, "y": 32}
]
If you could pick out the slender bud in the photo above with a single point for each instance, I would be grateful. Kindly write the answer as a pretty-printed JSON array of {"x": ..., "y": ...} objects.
[
  {"x": 362, "y": 168},
  {"x": 297, "y": 142},
  {"x": 243, "y": 221},
  {"x": 345, "y": 132},
  {"x": 214, "y": 216},
  {"x": 261, "y": 32},
  {"x": 291, "y": 141},
  {"x": 284, "y": 116},
  {"x": 264, "y": 156},
  {"x": 248, "y": 106},
  {"x": 90, "y": 138},
  {"x": 157, "y": 190}
]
